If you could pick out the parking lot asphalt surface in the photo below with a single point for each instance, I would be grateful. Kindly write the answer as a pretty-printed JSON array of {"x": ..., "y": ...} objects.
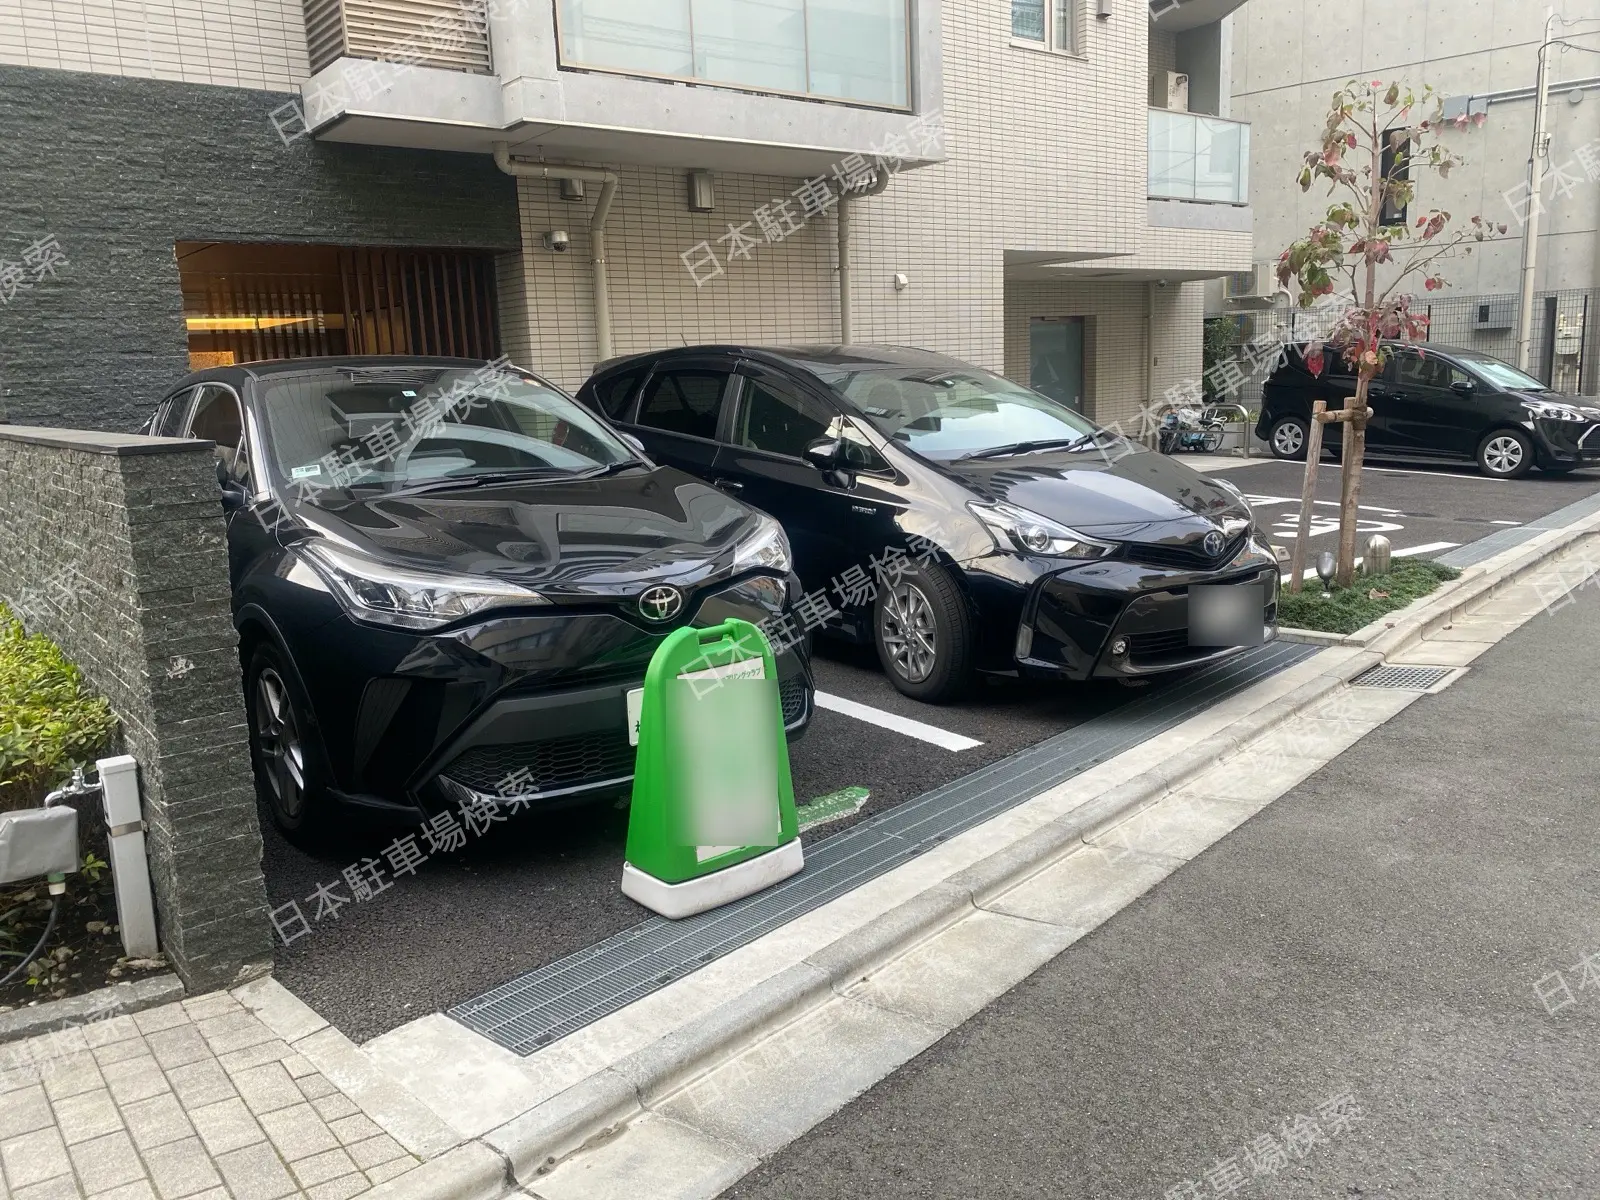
[
  {"x": 534, "y": 890},
  {"x": 1378, "y": 932},
  {"x": 1433, "y": 507}
]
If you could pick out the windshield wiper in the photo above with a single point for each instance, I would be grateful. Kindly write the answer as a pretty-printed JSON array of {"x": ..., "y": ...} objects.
[
  {"x": 452, "y": 482},
  {"x": 1030, "y": 447},
  {"x": 610, "y": 469}
]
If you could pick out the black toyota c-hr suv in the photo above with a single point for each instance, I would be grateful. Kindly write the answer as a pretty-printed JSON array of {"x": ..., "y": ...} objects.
[
  {"x": 448, "y": 577},
  {"x": 1438, "y": 404},
  {"x": 961, "y": 522}
]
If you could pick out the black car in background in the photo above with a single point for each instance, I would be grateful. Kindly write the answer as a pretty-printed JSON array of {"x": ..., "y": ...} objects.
[
  {"x": 1438, "y": 404},
  {"x": 448, "y": 577},
  {"x": 960, "y": 522}
]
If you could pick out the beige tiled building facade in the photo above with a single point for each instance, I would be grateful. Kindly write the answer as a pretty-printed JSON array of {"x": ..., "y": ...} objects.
[{"x": 1040, "y": 215}]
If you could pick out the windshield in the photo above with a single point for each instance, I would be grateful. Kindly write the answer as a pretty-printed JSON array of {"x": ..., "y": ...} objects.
[
  {"x": 949, "y": 413},
  {"x": 1501, "y": 374},
  {"x": 391, "y": 428}
]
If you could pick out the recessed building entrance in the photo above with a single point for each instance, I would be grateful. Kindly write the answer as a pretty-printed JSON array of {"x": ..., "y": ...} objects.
[{"x": 243, "y": 302}]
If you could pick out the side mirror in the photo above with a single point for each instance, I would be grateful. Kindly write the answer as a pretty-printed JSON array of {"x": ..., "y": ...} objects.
[
  {"x": 1463, "y": 387},
  {"x": 826, "y": 453}
]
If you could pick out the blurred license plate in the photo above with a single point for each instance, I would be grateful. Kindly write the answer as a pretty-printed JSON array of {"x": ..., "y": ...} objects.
[
  {"x": 1226, "y": 614},
  {"x": 748, "y": 668}
]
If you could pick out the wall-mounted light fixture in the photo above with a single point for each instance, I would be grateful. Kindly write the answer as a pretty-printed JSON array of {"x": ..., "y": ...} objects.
[
  {"x": 702, "y": 196},
  {"x": 1102, "y": 9}
]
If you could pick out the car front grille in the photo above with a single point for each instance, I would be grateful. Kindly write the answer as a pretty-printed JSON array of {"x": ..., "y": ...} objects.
[
  {"x": 562, "y": 764},
  {"x": 1185, "y": 557},
  {"x": 1154, "y": 647},
  {"x": 792, "y": 692},
  {"x": 558, "y": 764}
]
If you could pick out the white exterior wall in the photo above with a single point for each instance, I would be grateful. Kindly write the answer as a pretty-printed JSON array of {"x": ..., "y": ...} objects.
[
  {"x": 1289, "y": 57},
  {"x": 1047, "y": 152},
  {"x": 235, "y": 43}
]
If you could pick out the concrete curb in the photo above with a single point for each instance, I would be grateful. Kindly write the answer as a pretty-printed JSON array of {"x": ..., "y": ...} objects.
[
  {"x": 600, "y": 1105},
  {"x": 597, "y": 1107},
  {"x": 134, "y": 995}
]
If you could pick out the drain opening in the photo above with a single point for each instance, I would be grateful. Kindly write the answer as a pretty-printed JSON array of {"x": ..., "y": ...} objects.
[{"x": 1413, "y": 679}]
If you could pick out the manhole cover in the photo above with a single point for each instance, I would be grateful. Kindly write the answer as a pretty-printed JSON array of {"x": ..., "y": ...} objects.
[{"x": 1414, "y": 679}]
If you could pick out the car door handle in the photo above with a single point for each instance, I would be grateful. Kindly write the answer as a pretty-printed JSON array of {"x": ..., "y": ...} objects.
[{"x": 728, "y": 485}]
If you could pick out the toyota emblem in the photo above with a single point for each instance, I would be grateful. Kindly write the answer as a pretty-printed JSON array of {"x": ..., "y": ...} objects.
[
  {"x": 1213, "y": 545},
  {"x": 660, "y": 603}
]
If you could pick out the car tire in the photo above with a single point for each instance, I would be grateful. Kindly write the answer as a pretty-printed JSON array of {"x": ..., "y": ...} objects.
[
  {"x": 1288, "y": 438},
  {"x": 923, "y": 632},
  {"x": 1505, "y": 454},
  {"x": 285, "y": 750}
]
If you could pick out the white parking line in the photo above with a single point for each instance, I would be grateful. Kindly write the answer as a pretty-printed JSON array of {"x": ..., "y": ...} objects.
[
  {"x": 1505, "y": 522},
  {"x": 888, "y": 720},
  {"x": 1464, "y": 473}
]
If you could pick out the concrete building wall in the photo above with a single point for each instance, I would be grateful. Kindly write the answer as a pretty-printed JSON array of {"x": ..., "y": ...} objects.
[
  {"x": 1289, "y": 57},
  {"x": 237, "y": 43},
  {"x": 1047, "y": 151}
]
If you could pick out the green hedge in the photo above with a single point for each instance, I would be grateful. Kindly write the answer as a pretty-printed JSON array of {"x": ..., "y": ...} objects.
[{"x": 49, "y": 721}]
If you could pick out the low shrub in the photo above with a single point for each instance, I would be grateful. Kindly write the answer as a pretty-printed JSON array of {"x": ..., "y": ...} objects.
[
  {"x": 49, "y": 720},
  {"x": 1368, "y": 598}
]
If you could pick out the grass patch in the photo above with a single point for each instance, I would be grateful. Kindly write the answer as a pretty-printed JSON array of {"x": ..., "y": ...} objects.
[{"x": 1351, "y": 608}]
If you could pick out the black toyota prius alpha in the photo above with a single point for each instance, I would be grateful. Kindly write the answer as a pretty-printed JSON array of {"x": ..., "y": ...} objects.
[{"x": 959, "y": 521}]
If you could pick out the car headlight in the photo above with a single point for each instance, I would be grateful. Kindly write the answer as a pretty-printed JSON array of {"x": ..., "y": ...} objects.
[
  {"x": 1017, "y": 529},
  {"x": 1553, "y": 412},
  {"x": 372, "y": 591},
  {"x": 766, "y": 547}
]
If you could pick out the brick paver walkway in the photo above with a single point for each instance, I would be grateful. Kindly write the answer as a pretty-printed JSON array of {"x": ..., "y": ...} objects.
[{"x": 197, "y": 1099}]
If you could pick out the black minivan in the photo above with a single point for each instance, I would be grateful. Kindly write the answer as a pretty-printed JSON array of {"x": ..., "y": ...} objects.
[
  {"x": 958, "y": 521},
  {"x": 449, "y": 578},
  {"x": 1438, "y": 404}
]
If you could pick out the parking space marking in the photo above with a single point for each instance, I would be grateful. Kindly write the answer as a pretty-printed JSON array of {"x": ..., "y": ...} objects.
[
  {"x": 1505, "y": 522},
  {"x": 932, "y": 734},
  {"x": 1425, "y": 548},
  {"x": 1464, "y": 473}
]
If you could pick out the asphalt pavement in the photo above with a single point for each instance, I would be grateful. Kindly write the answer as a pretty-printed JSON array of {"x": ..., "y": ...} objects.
[
  {"x": 1372, "y": 988},
  {"x": 530, "y": 892}
]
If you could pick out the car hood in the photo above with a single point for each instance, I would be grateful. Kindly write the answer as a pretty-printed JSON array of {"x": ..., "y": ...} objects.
[
  {"x": 579, "y": 540},
  {"x": 1584, "y": 404},
  {"x": 1140, "y": 496}
]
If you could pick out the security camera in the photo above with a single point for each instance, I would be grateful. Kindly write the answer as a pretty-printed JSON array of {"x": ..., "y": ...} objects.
[
  {"x": 1161, "y": 283},
  {"x": 558, "y": 240}
]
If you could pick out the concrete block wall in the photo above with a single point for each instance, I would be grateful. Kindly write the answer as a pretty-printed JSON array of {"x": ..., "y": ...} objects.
[{"x": 114, "y": 547}]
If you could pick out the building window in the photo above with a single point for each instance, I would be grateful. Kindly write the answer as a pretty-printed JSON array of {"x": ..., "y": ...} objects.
[
  {"x": 857, "y": 50},
  {"x": 1051, "y": 23},
  {"x": 1396, "y": 166}
]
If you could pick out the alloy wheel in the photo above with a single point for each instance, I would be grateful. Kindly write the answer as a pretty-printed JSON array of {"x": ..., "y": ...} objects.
[
  {"x": 909, "y": 630},
  {"x": 278, "y": 737},
  {"x": 1288, "y": 438},
  {"x": 1503, "y": 454}
]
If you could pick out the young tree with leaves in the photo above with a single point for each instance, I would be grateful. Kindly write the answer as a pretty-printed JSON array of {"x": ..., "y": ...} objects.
[{"x": 1374, "y": 140}]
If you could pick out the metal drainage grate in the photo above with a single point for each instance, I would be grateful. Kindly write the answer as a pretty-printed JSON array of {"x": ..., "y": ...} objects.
[
  {"x": 1411, "y": 679},
  {"x": 561, "y": 997}
]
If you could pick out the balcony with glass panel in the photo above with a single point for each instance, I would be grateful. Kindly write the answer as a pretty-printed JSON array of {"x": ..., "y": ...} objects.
[
  {"x": 786, "y": 87},
  {"x": 1198, "y": 157}
]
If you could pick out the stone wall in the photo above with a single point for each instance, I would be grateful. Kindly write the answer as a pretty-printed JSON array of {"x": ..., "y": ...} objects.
[
  {"x": 114, "y": 546},
  {"x": 117, "y": 170}
]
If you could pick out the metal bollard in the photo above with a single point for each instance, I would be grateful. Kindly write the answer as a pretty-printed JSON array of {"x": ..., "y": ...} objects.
[{"x": 1376, "y": 558}]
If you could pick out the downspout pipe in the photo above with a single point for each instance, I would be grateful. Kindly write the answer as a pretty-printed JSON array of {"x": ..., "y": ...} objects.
[
  {"x": 524, "y": 169},
  {"x": 876, "y": 187}
]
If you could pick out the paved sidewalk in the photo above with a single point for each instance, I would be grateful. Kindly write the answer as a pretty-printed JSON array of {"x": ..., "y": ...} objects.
[
  {"x": 204, "y": 1098},
  {"x": 1387, "y": 983}
]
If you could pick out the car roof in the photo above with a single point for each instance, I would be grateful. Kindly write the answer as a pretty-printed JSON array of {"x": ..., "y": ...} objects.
[
  {"x": 855, "y": 356},
  {"x": 242, "y": 372}
]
